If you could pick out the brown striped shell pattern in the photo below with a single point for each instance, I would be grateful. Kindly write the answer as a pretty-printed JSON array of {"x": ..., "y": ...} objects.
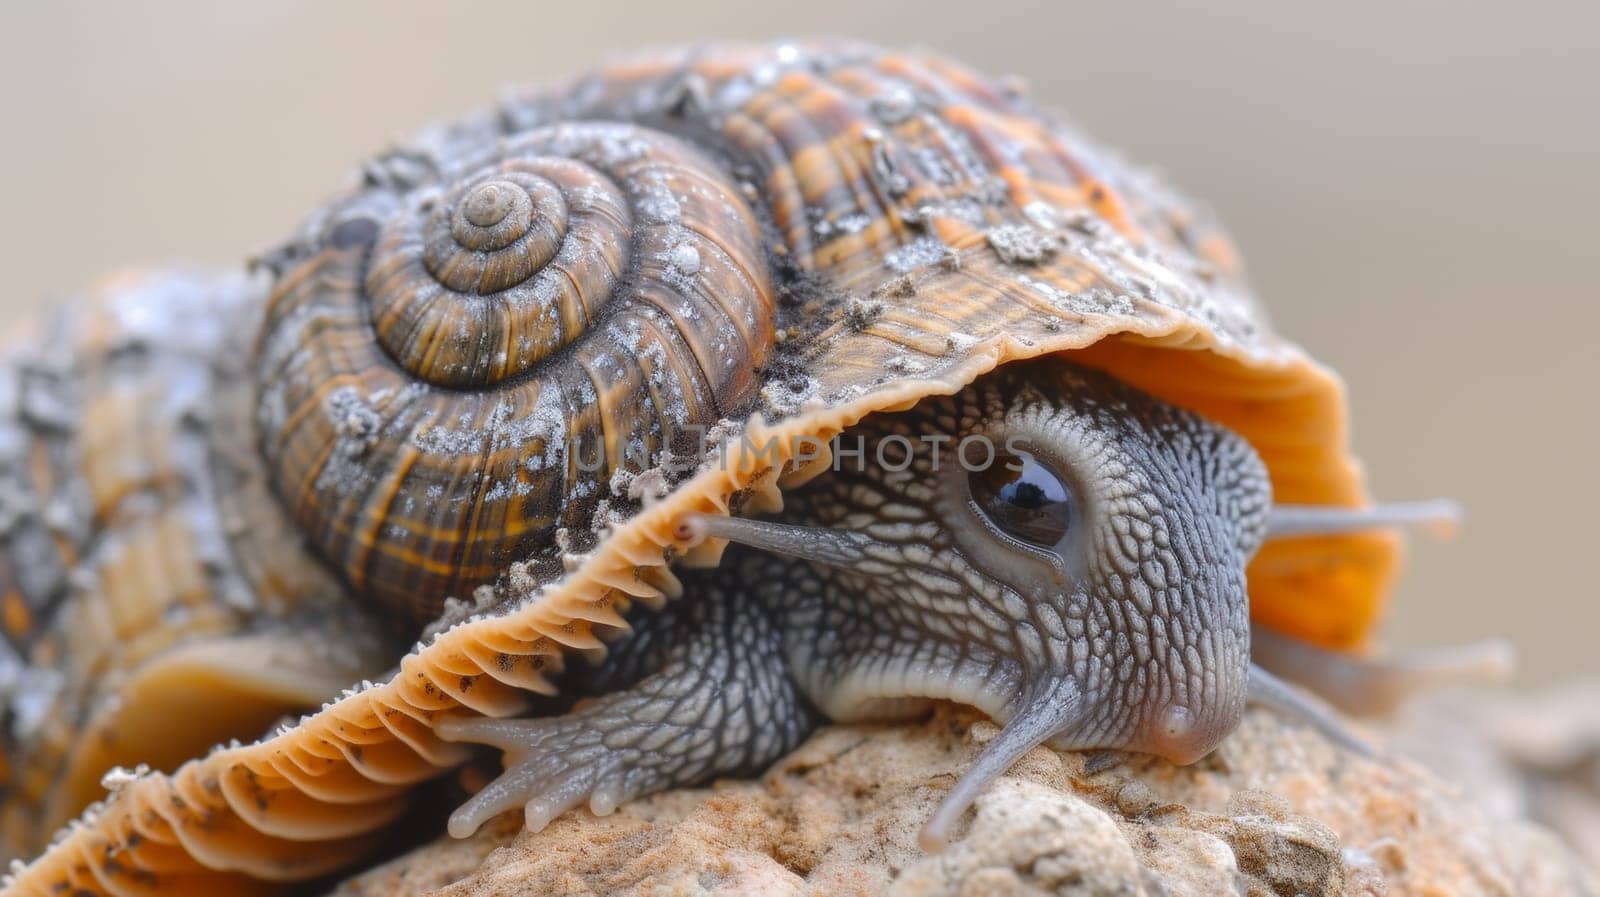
[{"x": 442, "y": 389}]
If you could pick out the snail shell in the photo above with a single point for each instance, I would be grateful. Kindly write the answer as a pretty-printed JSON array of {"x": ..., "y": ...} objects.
[
  {"x": 463, "y": 366},
  {"x": 505, "y": 289}
]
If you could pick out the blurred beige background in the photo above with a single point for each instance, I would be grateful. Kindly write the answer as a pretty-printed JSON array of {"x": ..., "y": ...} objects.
[{"x": 1415, "y": 185}]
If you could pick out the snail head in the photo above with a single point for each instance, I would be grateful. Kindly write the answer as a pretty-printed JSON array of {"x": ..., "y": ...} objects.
[{"x": 1090, "y": 540}]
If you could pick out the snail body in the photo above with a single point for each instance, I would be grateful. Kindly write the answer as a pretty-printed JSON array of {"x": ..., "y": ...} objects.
[{"x": 550, "y": 360}]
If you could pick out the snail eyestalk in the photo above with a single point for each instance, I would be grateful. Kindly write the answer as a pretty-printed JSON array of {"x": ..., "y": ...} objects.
[
  {"x": 823, "y": 546},
  {"x": 1374, "y": 687},
  {"x": 1441, "y": 517}
]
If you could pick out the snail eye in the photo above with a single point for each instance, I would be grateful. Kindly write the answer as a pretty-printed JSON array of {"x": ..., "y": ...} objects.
[{"x": 1023, "y": 499}]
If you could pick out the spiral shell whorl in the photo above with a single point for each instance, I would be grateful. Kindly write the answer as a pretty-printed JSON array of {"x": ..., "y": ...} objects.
[
  {"x": 481, "y": 280},
  {"x": 435, "y": 383}
]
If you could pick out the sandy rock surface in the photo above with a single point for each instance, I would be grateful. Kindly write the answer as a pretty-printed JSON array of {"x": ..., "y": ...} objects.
[
  {"x": 1275, "y": 812},
  {"x": 1531, "y": 756}
]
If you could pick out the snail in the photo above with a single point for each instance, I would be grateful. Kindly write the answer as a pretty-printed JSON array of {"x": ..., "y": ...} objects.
[{"x": 734, "y": 390}]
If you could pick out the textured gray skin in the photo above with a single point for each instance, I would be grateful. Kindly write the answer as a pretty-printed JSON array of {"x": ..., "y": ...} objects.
[
  {"x": 1132, "y": 635},
  {"x": 703, "y": 688}
]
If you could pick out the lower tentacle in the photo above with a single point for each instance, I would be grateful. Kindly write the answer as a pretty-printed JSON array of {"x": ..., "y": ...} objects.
[
  {"x": 1269, "y": 691},
  {"x": 1374, "y": 687},
  {"x": 1049, "y": 708}
]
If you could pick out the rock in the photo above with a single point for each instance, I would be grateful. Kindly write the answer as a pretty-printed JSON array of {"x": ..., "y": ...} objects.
[
  {"x": 1540, "y": 752},
  {"x": 1277, "y": 811}
]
